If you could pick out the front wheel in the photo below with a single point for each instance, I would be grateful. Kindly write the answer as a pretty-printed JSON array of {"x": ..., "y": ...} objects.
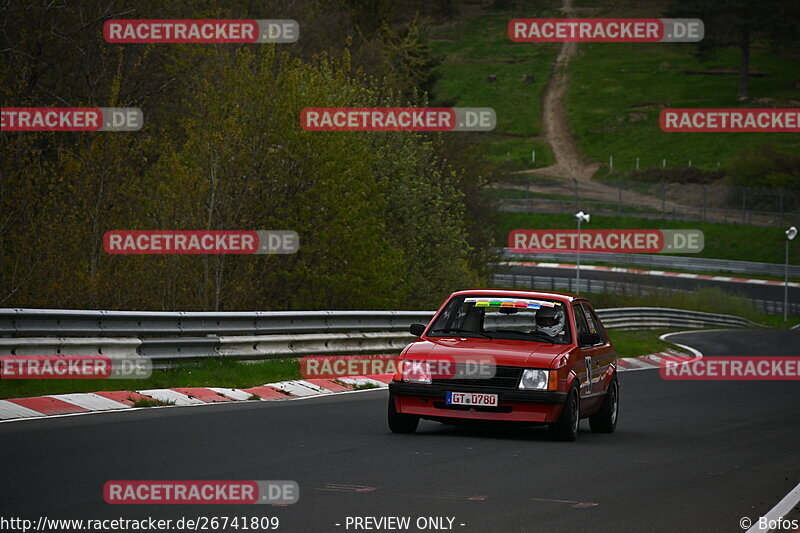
[
  {"x": 605, "y": 420},
  {"x": 399, "y": 422},
  {"x": 566, "y": 427}
]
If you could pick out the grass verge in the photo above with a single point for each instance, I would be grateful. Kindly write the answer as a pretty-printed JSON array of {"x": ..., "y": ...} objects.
[
  {"x": 475, "y": 46},
  {"x": 706, "y": 300},
  {"x": 639, "y": 342},
  {"x": 150, "y": 402},
  {"x": 618, "y": 90},
  {"x": 722, "y": 241},
  {"x": 207, "y": 373}
]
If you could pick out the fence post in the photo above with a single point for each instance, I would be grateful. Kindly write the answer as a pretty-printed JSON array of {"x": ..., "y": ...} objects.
[
  {"x": 611, "y": 163},
  {"x": 705, "y": 196},
  {"x": 575, "y": 181},
  {"x": 744, "y": 205},
  {"x": 527, "y": 196}
]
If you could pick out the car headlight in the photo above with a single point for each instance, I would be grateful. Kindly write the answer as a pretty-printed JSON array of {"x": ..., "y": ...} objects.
[
  {"x": 534, "y": 379},
  {"x": 417, "y": 372}
]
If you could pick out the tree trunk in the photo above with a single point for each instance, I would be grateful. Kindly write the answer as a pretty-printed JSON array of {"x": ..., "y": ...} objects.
[{"x": 744, "y": 65}]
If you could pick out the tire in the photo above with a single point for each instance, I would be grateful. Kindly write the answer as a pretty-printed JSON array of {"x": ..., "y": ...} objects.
[
  {"x": 566, "y": 427},
  {"x": 605, "y": 420},
  {"x": 398, "y": 422}
]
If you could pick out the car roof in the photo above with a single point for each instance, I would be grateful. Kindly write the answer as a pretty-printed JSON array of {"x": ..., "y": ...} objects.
[{"x": 520, "y": 294}]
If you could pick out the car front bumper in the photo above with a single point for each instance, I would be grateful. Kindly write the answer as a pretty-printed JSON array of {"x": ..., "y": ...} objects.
[{"x": 513, "y": 405}]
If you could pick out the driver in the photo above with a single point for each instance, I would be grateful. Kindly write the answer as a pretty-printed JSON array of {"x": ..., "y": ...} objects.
[{"x": 550, "y": 321}]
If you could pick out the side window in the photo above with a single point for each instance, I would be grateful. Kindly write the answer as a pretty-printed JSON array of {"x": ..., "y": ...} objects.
[
  {"x": 593, "y": 321},
  {"x": 580, "y": 320}
]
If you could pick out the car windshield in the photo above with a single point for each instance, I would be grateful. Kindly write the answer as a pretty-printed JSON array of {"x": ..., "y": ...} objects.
[{"x": 499, "y": 317}]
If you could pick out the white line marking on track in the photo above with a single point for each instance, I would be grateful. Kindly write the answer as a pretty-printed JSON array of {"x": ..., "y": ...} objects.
[
  {"x": 11, "y": 411},
  {"x": 296, "y": 387},
  {"x": 780, "y": 510},
  {"x": 236, "y": 394},
  {"x": 170, "y": 396},
  {"x": 637, "y": 365},
  {"x": 358, "y": 382},
  {"x": 90, "y": 401},
  {"x": 319, "y": 389},
  {"x": 697, "y": 353}
]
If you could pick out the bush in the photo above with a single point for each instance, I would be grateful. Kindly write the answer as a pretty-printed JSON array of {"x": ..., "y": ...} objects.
[{"x": 676, "y": 175}]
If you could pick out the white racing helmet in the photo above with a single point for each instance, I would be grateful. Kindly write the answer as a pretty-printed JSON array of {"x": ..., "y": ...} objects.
[{"x": 550, "y": 321}]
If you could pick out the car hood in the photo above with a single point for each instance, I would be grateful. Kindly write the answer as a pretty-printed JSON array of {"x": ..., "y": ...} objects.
[{"x": 505, "y": 352}]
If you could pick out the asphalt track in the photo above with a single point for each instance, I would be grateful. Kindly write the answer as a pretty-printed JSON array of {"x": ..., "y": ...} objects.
[
  {"x": 747, "y": 290},
  {"x": 687, "y": 456}
]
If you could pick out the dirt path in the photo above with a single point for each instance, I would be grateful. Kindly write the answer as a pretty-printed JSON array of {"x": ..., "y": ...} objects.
[
  {"x": 571, "y": 169},
  {"x": 569, "y": 163}
]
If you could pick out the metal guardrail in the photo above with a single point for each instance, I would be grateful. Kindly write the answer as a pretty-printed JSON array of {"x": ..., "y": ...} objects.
[
  {"x": 601, "y": 286},
  {"x": 64, "y": 322},
  {"x": 661, "y": 262},
  {"x": 663, "y": 317},
  {"x": 357, "y": 331}
]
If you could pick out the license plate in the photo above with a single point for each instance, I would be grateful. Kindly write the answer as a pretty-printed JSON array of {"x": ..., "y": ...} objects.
[{"x": 477, "y": 399}]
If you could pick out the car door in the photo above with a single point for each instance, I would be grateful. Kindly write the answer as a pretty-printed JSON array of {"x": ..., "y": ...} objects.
[
  {"x": 585, "y": 374},
  {"x": 593, "y": 386},
  {"x": 603, "y": 351}
]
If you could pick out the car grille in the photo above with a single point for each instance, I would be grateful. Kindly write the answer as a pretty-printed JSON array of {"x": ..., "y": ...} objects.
[
  {"x": 479, "y": 408},
  {"x": 506, "y": 377}
]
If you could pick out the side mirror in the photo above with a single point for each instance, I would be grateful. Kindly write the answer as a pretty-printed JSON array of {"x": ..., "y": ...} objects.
[
  {"x": 417, "y": 329},
  {"x": 589, "y": 339}
]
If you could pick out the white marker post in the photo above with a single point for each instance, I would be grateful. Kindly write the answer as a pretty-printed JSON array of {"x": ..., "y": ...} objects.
[
  {"x": 582, "y": 217},
  {"x": 791, "y": 233}
]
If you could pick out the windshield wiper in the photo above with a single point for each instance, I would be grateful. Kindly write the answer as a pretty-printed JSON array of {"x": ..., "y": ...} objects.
[{"x": 458, "y": 330}]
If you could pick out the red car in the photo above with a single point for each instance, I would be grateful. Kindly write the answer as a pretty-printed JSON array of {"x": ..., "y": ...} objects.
[{"x": 514, "y": 356}]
